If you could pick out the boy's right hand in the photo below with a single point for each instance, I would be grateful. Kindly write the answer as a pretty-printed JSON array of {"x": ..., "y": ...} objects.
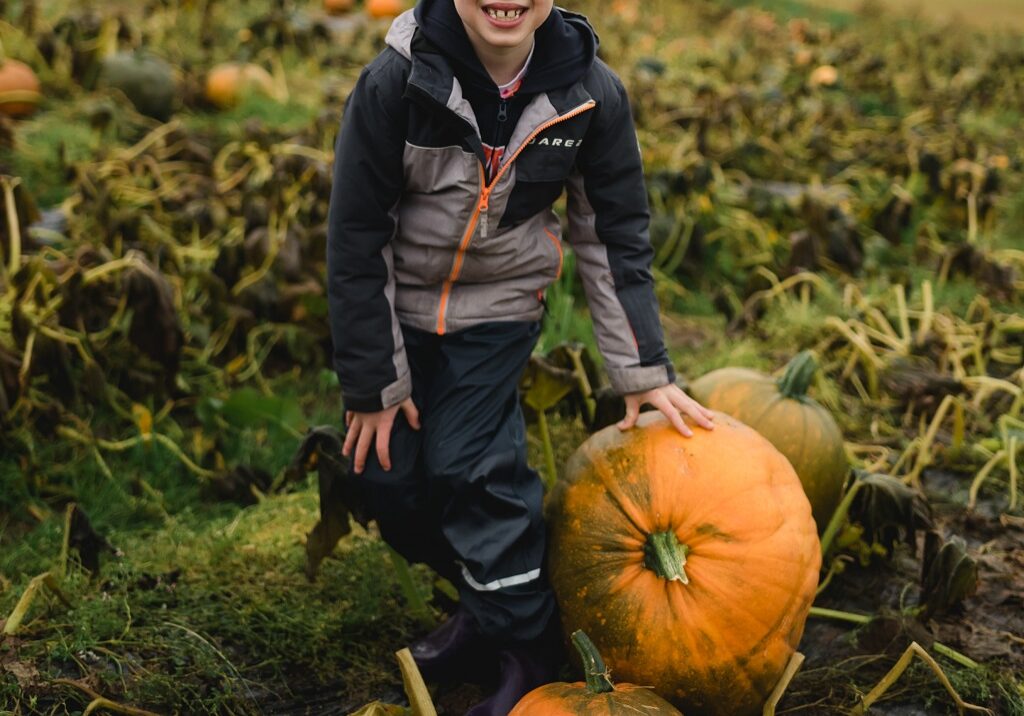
[{"x": 364, "y": 427}]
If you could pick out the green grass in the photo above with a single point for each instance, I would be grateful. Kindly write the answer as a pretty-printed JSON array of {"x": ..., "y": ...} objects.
[
  {"x": 987, "y": 14},
  {"x": 208, "y": 610},
  {"x": 800, "y": 8}
]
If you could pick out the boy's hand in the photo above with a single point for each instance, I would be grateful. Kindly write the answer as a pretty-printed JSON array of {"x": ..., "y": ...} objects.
[
  {"x": 671, "y": 401},
  {"x": 363, "y": 427}
]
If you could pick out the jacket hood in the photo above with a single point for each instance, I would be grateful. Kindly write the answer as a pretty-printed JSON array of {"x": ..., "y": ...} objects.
[{"x": 565, "y": 48}]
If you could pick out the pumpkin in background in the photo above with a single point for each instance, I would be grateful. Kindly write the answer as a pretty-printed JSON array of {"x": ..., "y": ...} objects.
[
  {"x": 228, "y": 83},
  {"x": 338, "y": 7},
  {"x": 802, "y": 429},
  {"x": 19, "y": 89},
  {"x": 597, "y": 696},
  {"x": 693, "y": 562},
  {"x": 384, "y": 8},
  {"x": 146, "y": 80}
]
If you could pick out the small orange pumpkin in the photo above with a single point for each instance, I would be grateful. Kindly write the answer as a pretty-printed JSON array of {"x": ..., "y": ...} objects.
[
  {"x": 693, "y": 562},
  {"x": 338, "y": 7},
  {"x": 228, "y": 83},
  {"x": 802, "y": 429},
  {"x": 597, "y": 696},
  {"x": 384, "y": 8},
  {"x": 19, "y": 89}
]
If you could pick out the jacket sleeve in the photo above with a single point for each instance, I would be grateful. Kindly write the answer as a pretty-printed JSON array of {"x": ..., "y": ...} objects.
[
  {"x": 608, "y": 230},
  {"x": 369, "y": 353}
]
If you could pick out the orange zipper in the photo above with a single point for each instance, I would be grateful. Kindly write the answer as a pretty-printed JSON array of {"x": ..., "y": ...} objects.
[{"x": 484, "y": 204}]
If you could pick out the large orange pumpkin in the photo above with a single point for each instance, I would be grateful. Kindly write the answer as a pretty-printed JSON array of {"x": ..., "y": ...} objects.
[
  {"x": 597, "y": 696},
  {"x": 693, "y": 562},
  {"x": 19, "y": 88},
  {"x": 802, "y": 429}
]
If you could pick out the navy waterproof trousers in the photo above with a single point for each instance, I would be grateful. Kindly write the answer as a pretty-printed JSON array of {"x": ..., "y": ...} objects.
[{"x": 460, "y": 496}]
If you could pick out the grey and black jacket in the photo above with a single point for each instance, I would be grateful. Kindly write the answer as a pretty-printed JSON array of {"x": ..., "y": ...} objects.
[{"x": 417, "y": 235}]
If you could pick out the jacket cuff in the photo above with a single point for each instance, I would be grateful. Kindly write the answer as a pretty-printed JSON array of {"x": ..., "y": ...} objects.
[
  {"x": 640, "y": 378},
  {"x": 375, "y": 402}
]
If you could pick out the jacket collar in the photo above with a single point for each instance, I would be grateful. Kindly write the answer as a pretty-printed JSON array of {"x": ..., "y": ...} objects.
[{"x": 431, "y": 76}]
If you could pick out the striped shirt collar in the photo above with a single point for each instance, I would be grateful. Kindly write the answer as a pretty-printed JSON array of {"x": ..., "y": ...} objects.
[{"x": 510, "y": 88}]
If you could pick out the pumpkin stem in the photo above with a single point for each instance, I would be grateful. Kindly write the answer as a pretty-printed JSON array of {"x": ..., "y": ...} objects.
[
  {"x": 798, "y": 376},
  {"x": 666, "y": 556},
  {"x": 598, "y": 679}
]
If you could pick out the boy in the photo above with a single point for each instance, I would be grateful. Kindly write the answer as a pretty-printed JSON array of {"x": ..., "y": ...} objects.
[{"x": 455, "y": 143}]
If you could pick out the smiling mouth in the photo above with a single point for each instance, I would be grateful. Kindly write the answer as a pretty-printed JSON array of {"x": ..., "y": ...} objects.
[{"x": 504, "y": 13}]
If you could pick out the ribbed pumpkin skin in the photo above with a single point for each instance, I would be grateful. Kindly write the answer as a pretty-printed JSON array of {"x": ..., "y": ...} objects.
[
  {"x": 574, "y": 700},
  {"x": 718, "y": 644},
  {"x": 804, "y": 431}
]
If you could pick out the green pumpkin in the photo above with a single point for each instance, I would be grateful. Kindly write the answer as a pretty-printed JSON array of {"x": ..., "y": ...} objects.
[
  {"x": 146, "y": 80},
  {"x": 800, "y": 428}
]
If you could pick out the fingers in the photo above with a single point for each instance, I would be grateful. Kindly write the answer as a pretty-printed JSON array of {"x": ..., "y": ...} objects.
[
  {"x": 632, "y": 413},
  {"x": 383, "y": 442},
  {"x": 701, "y": 415},
  {"x": 354, "y": 426},
  {"x": 362, "y": 448},
  {"x": 670, "y": 411},
  {"x": 412, "y": 415}
]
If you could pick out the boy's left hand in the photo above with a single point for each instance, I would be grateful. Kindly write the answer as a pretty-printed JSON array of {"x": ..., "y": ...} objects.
[{"x": 671, "y": 401}]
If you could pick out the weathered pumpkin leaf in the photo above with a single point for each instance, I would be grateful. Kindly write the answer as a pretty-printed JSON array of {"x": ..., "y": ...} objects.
[
  {"x": 948, "y": 574},
  {"x": 339, "y": 496},
  {"x": 239, "y": 484},
  {"x": 87, "y": 541},
  {"x": 889, "y": 510},
  {"x": 543, "y": 384}
]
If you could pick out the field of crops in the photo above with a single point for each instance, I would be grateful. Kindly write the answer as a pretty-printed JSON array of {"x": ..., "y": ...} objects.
[
  {"x": 840, "y": 183},
  {"x": 983, "y": 14}
]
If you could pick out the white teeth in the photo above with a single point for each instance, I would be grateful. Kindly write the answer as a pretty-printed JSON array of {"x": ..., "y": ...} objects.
[{"x": 504, "y": 14}]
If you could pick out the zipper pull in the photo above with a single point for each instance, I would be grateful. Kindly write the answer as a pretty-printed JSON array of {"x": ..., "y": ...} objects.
[
  {"x": 503, "y": 110},
  {"x": 485, "y": 198}
]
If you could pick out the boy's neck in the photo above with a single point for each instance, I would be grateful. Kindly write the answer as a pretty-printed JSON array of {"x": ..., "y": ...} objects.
[{"x": 501, "y": 63}]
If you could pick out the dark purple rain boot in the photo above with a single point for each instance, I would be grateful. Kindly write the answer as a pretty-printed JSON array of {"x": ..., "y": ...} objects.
[
  {"x": 523, "y": 669},
  {"x": 455, "y": 651}
]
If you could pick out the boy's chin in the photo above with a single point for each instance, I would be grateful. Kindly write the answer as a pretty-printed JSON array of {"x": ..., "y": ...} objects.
[{"x": 507, "y": 39}]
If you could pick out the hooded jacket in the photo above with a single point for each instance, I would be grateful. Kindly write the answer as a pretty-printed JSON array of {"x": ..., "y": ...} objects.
[{"x": 418, "y": 235}]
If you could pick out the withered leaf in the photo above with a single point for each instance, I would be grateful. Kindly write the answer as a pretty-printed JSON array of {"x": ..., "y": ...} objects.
[
  {"x": 339, "y": 496},
  {"x": 87, "y": 541},
  {"x": 889, "y": 510},
  {"x": 236, "y": 484},
  {"x": 948, "y": 574},
  {"x": 544, "y": 384}
]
